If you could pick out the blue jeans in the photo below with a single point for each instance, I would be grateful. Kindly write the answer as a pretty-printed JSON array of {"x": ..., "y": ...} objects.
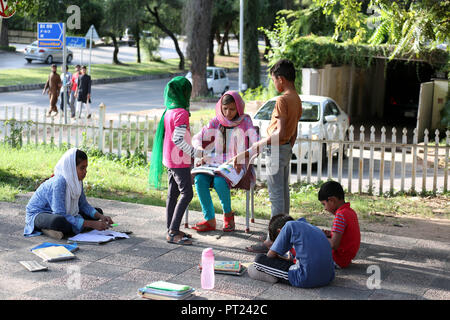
[{"x": 202, "y": 185}]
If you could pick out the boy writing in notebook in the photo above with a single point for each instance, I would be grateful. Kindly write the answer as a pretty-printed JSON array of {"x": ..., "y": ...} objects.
[
  {"x": 281, "y": 136},
  {"x": 313, "y": 266},
  {"x": 345, "y": 236}
]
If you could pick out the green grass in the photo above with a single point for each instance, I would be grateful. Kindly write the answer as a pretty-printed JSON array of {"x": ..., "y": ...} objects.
[
  {"x": 24, "y": 76},
  {"x": 22, "y": 171}
]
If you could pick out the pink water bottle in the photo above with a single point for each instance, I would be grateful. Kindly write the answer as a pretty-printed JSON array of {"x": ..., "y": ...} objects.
[{"x": 207, "y": 277}]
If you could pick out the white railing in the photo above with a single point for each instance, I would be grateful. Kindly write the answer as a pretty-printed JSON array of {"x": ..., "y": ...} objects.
[
  {"x": 370, "y": 166},
  {"x": 359, "y": 164}
]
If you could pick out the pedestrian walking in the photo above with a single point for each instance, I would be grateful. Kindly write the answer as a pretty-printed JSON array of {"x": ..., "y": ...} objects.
[
  {"x": 66, "y": 85},
  {"x": 83, "y": 92},
  {"x": 53, "y": 86},
  {"x": 73, "y": 90}
]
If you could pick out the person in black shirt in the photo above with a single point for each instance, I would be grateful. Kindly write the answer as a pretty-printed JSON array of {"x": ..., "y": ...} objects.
[{"x": 83, "y": 93}]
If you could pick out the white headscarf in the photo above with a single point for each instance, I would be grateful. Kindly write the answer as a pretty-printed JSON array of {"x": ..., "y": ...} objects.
[{"x": 67, "y": 168}]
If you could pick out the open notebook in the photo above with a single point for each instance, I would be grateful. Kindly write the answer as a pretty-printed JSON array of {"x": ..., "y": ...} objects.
[
  {"x": 97, "y": 237},
  {"x": 225, "y": 170}
]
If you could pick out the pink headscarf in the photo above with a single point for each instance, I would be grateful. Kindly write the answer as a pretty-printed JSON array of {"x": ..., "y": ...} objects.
[{"x": 240, "y": 106}]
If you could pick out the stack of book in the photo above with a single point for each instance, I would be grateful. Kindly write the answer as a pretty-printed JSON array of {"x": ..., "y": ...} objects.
[
  {"x": 234, "y": 268},
  {"x": 162, "y": 290}
]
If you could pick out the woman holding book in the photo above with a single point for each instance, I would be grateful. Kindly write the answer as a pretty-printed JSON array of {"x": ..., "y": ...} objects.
[
  {"x": 230, "y": 132},
  {"x": 59, "y": 207}
]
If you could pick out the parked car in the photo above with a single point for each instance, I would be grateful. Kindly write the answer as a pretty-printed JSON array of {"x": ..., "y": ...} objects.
[
  {"x": 325, "y": 117},
  {"x": 46, "y": 55},
  {"x": 216, "y": 79}
]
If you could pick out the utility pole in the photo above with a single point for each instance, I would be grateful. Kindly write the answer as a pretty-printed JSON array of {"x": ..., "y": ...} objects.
[{"x": 241, "y": 44}]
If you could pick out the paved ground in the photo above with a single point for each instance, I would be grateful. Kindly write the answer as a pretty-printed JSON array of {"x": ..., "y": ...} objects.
[{"x": 409, "y": 267}]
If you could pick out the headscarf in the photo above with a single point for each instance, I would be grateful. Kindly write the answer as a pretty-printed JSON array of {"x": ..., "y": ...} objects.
[
  {"x": 240, "y": 106},
  {"x": 177, "y": 94},
  {"x": 67, "y": 168}
]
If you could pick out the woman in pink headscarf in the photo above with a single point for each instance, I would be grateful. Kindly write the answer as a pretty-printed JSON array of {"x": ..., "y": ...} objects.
[{"x": 230, "y": 132}]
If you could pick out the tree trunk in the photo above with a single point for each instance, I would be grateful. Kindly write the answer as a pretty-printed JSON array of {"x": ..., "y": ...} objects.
[
  {"x": 211, "y": 49},
  {"x": 268, "y": 46},
  {"x": 252, "y": 70},
  {"x": 198, "y": 28},
  {"x": 160, "y": 25},
  {"x": 116, "y": 50},
  {"x": 225, "y": 38},
  {"x": 4, "y": 40}
]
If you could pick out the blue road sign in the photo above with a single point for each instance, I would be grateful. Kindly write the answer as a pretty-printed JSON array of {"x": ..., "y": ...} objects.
[
  {"x": 50, "y": 35},
  {"x": 76, "y": 42}
]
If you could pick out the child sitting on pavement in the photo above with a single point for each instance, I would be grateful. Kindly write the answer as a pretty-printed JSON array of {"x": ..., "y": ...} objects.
[
  {"x": 313, "y": 266},
  {"x": 345, "y": 236}
]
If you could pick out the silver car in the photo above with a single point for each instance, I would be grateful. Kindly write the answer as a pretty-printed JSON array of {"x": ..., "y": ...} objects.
[{"x": 46, "y": 55}]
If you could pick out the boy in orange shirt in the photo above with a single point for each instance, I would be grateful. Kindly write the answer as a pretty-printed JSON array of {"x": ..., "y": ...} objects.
[
  {"x": 281, "y": 137},
  {"x": 345, "y": 236}
]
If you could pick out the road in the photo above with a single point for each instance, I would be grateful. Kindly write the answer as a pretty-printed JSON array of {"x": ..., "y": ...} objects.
[
  {"x": 118, "y": 97},
  {"x": 100, "y": 54}
]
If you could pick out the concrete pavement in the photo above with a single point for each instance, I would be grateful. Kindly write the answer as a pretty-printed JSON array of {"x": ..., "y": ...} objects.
[{"x": 387, "y": 267}]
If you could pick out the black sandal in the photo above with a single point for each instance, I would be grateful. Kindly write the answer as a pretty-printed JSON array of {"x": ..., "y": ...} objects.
[{"x": 183, "y": 241}]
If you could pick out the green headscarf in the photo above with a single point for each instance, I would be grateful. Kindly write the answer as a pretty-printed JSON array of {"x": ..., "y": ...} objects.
[{"x": 177, "y": 94}]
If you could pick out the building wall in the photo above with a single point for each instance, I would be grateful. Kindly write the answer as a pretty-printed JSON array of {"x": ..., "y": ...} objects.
[{"x": 359, "y": 92}]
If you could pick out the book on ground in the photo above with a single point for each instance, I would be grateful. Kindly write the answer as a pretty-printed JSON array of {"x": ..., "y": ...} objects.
[
  {"x": 97, "y": 237},
  {"x": 71, "y": 247},
  {"x": 162, "y": 290},
  {"x": 225, "y": 170},
  {"x": 33, "y": 266},
  {"x": 228, "y": 267},
  {"x": 52, "y": 254}
]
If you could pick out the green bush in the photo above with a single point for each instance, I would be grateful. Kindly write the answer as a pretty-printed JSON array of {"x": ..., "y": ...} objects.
[{"x": 150, "y": 46}]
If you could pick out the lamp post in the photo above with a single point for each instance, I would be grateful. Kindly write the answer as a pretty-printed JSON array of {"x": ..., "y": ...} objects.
[{"x": 241, "y": 44}]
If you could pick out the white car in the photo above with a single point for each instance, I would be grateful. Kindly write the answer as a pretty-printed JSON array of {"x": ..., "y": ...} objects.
[
  {"x": 46, "y": 55},
  {"x": 216, "y": 79},
  {"x": 327, "y": 120}
]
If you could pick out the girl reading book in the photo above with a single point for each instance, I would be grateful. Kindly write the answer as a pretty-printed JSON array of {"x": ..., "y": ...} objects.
[
  {"x": 59, "y": 207},
  {"x": 230, "y": 132}
]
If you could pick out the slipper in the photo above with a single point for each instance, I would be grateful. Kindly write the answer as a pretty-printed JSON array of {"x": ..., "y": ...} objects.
[
  {"x": 203, "y": 227},
  {"x": 257, "y": 248},
  {"x": 184, "y": 234},
  {"x": 183, "y": 241},
  {"x": 229, "y": 224}
]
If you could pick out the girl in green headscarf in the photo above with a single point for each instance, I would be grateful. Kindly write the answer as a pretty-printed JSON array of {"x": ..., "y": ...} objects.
[{"x": 172, "y": 148}]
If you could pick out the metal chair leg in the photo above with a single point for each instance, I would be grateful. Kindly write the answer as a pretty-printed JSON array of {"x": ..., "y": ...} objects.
[
  {"x": 186, "y": 218},
  {"x": 247, "y": 211},
  {"x": 252, "y": 198}
]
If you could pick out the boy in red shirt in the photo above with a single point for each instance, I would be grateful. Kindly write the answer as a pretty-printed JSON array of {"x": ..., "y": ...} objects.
[{"x": 345, "y": 236}]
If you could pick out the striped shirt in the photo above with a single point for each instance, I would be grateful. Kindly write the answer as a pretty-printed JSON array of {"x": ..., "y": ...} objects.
[
  {"x": 339, "y": 223},
  {"x": 180, "y": 142}
]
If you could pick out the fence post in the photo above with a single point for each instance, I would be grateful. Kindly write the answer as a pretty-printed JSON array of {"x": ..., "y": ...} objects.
[
  {"x": 383, "y": 141},
  {"x": 393, "y": 150},
  {"x": 351, "y": 138},
  {"x": 404, "y": 142},
  {"x": 447, "y": 145},
  {"x": 101, "y": 125},
  {"x": 436, "y": 160},
  {"x": 425, "y": 162}
]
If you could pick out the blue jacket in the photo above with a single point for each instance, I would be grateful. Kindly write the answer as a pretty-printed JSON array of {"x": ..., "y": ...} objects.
[{"x": 50, "y": 197}]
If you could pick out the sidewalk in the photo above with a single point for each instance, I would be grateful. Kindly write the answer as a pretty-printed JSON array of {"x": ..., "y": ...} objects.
[{"x": 410, "y": 267}]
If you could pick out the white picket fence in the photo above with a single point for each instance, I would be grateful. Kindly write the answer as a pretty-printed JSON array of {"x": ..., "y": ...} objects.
[{"x": 370, "y": 166}]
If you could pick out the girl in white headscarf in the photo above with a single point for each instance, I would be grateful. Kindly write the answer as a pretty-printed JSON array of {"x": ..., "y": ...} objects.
[{"x": 59, "y": 206}]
